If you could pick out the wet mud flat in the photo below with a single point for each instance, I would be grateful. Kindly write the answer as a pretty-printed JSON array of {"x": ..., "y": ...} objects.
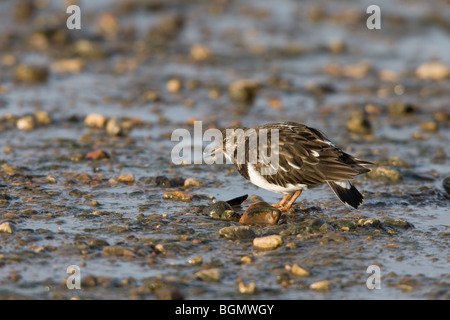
[{"x": 86, "y": 177}]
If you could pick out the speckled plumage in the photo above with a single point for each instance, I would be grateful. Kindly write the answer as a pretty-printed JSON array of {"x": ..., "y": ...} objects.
[{"x": 306, "y": 159}]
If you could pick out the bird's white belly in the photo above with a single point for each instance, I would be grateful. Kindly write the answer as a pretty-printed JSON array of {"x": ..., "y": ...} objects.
[{"x": 257, "y": 179}]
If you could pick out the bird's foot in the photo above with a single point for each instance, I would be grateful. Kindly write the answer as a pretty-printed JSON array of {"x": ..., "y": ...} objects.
[{"x": 282, "y": 207}]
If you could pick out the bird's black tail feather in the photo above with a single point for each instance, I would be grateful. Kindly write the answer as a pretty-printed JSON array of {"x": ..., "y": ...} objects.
[{"x": 347, "y": 192}]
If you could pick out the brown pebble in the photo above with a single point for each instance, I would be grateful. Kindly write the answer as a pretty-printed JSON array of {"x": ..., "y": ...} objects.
[
  {"x": 97, "y": 155},
  {"x": 177, "y": 196},
  {"x": 31, "y": 73},
  {"x": 126, "y": 178},
  {"x": 323, "y": 285},
  {"x": 260, "y": 213},
  {"x": 434, "y": 70},
  {"x": 173, "y": 85},
  {"x": 95, "y": 120}
]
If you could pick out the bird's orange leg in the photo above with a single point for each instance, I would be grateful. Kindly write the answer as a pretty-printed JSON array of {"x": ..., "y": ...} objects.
[
  {"x": 288, "y": 206},
  {"x": 282, "y": 201}
]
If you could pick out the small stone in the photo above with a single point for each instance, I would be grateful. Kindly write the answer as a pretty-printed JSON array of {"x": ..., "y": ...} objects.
[
  {"x": 247, "y": 289},
  {"x": 25, "y": 123},
  {"x": 359, "y": 123},
  {"x": 240, "y": 232},
  {"x": 42, "y": 117},
  {"x": 177, "y": 196},
  {"x": 200, "y": 52},
  {"x": 196, "y": 260},
  {"x": 95, "y": 120},
  {"x": 190, "y": 182},
  {"x": 72, "y": 66},
  {"x": 31, "y": 73},
  {"x": 7, "y": 227},
  {"x": 375, "y": 223},
  {"x": 401, "y": 108},
  {"x": 160, "y": 248},
  {"x": 434, "y": 70},
  {"x": 429, "y": 126},
  {"x": 113, "y": 127},
  {"x": 169, "y": 294},
  {"x": 98, "y": 154},
  {"x": 113, "y": 251},
  {"x": 384, "y": 173},
  {"x": 268, "y": 242},
  {"x": 98, "y": 243},
  {"x": 323, "y": 285},
  {"x": 346, "y": 225},
  {"x": 337, "y": 46},
  {"x": 209, "y": 275},
  {"x": 397, "y": 223},
  {"x": 151, "y": 96},
  {"x": 126, "y": 178},
  {"x": 246, "y": 259},
  {"x": 261, "y": 213},
  {"x": 244, "y": 90},
  {"x": 299, "y": 271},
  {"x": 221, "y": 210},
  {"x": 173, "y": 85}
]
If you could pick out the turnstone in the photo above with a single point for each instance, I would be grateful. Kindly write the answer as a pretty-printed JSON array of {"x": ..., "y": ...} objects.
[{"x": 293, "y": 158}]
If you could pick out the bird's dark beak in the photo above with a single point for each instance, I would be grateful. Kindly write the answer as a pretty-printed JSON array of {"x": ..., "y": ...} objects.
[{"x": 214, "y": 151}]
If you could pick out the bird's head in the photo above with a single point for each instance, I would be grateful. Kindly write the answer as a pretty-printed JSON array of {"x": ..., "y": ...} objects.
[{"x": 232, "y": 136}]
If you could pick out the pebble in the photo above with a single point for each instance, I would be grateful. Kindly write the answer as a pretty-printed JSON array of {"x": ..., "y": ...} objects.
[
  {"x": 268, "y": 242},
  {"x": 220, "y": 210},
  {"x": 42, "y": 117},
  {"x": 169, "y": 294},
  {"x": 177, "y": 196},
  {"x": 299, "y": 271},
  {"x": 200, "y": 52},
  {"x": 113, "y": 251},
  {"x": 247, "y": 289},
  {"x": 398, "y": 223},
  {"x": 240, "y": 232},
  {"x": 261, "y": 213},
  {"x": 98, "y": 154},
  {"x": 31, "y": 73},
  {"x": 243, "y": 90},
  {"x": 126, "y": 178},
  {"x": 358, "y": 122},
  {"x": 196, "y": 260},
  {"x": 429, "y": 126},
  {"x": 323, "y": 285},
  {"x": 113, "y": 127},
  {"x": 73, "y": 66},
  {"x": 190, "y": 182},
  {"x": 173, "y": 85},
  {"x": 401, "y": 108},
  {"x": 160, "y": 248},
  {"x": 25, "y": 123},
  {"x": 95, "y": 120},
  {"x": 384, "y": 173},
  {"x": 375, "y": 223},
  {"x": 434, "y": 70},
  {"x": 7, "y": 227},
  {"x": 209, "y": 275}
]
